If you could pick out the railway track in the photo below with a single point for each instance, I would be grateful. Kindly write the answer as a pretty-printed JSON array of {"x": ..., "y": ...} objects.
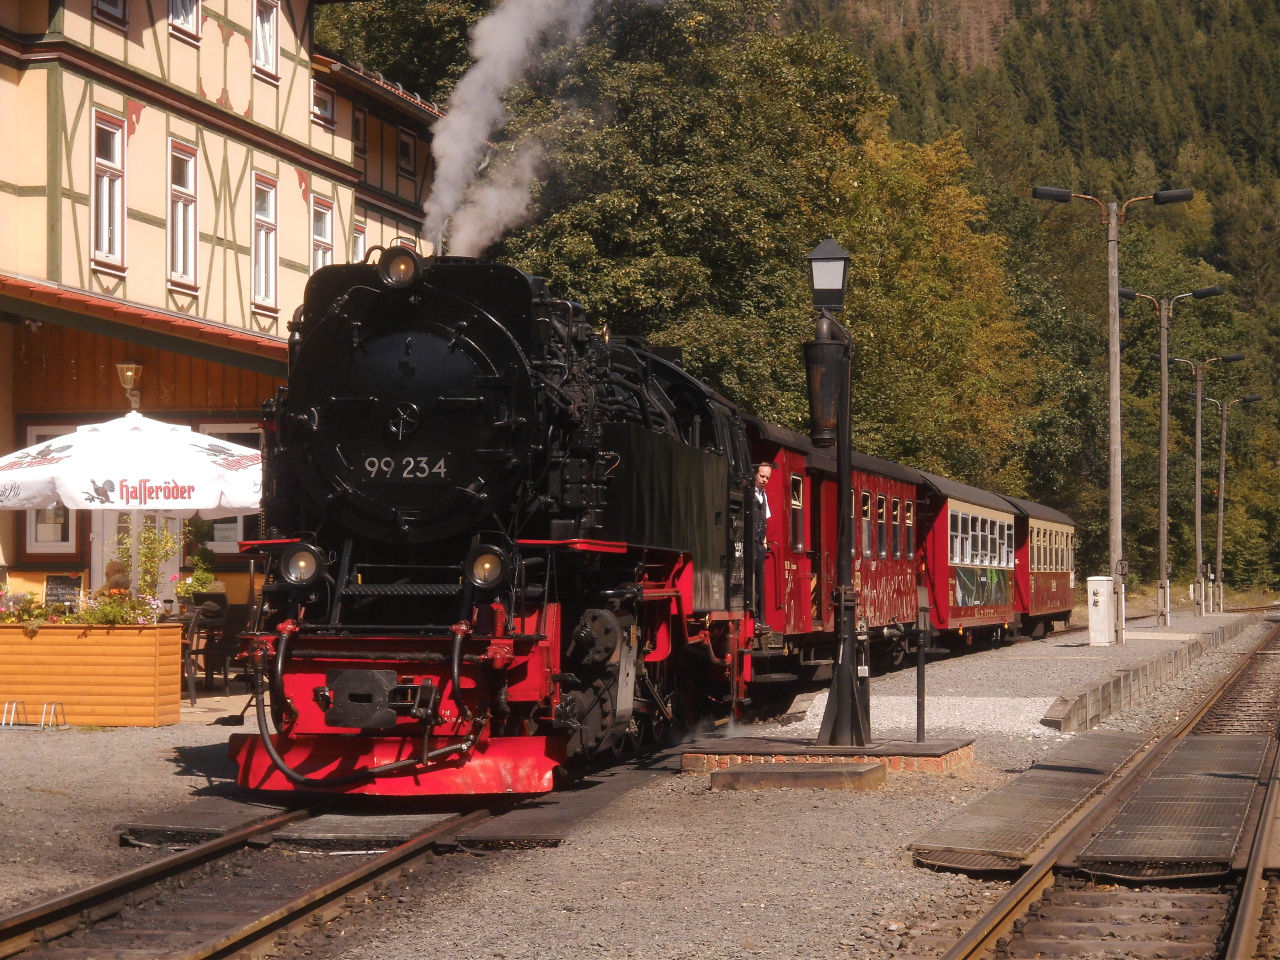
[
  {"x": 237, "y": 896},
  {"x": 1079, "y": 901}
]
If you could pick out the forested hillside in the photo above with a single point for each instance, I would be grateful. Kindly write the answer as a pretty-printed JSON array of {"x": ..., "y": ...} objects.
[{"x": 691, "y": 152}]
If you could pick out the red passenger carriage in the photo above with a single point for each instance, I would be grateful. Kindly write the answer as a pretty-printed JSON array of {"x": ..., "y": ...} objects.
[{"x": 1044, "y": 577}]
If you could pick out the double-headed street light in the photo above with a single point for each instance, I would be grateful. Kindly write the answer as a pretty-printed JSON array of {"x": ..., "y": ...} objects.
[
  {"x": 1164, "y": 308},
  {"x": 827, "y": 360},
  {"x": 1198, "y": 367},
  {"x": 1224, "y": 409},
  {"x": 1112, "y": 218}
]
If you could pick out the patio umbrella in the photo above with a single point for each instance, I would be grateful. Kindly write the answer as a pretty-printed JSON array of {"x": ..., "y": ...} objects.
[{"x": 136, "y": 464}]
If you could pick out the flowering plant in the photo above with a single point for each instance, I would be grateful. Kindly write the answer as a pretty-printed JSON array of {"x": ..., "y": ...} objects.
[
  {"x": 117, "y": 608},
  {"x": 28, "y": 610}
]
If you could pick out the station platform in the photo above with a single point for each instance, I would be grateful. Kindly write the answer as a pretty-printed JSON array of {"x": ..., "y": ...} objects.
[
  {"x": 898, "y": 756},
  {"x": 1001, "y": 830}
]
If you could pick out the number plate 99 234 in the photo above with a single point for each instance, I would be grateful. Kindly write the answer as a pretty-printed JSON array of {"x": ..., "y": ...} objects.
[{"x": 406, "y": 468}]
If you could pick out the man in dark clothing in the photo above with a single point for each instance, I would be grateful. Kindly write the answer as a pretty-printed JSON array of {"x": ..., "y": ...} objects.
[{"x": 759, "y": 517}]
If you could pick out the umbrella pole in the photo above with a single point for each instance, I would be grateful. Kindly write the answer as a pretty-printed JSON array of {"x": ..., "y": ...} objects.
[{"x": 135, "y": 516}]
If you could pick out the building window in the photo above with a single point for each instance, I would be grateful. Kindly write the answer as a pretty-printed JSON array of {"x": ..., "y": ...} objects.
[
  {"x": 265, "y": 44},
  {"x": 264, "y": 242},
  {"x": 357, "y": 243},
  {"x": 406, "y": 154},
  {"x": 108, "y": 190},
  {"x": 182, "y": 214},
  {"x": 114, "y": 11},
  {"x": 185, "y": 16},
  {"x": 51, "y": 530},
  {"x": 322, "y": 109},
  {"x": 321, "y": 233},
  {"x": 358, "y": 123},
  {"x": 228, "y": 532}
]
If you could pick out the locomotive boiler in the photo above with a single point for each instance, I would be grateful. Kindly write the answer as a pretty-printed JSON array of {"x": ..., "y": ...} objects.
[{"x": 498, "y": 541}]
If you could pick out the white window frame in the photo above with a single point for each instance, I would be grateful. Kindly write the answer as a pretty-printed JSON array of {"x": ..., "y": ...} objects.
[
  {"x": 266, "y": 51},
  {"x": 105, "y": 170},
  {"x": 39, "y": 433},
  {"x": 115, "y": 12},
  {"x": 359, "y": 245},
  {"x": 266, "y": 251},
  {"x": 360, "y": 120},
  {"x": 404, "y": 136},
  {"x": 321, "y": 245},
  {"x": 182, "y": 27},
  {"x": 184, "y": 236},
  {"x": 228, "y": 547},
  {"x": 325, "y": 116}
]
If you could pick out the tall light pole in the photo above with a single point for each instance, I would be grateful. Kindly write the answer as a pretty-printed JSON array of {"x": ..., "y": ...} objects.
[
  {"x": 1112, "y": 218},
  {"x": 1198, "y": 367},
  {"x": 1225, "y": 410},
  {"x": 828, "y": 359},
  {"x": 1164, "y": 308}
]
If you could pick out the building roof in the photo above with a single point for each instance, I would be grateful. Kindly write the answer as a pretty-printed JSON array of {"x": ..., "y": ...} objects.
[
  {"x": 379, "y": 88},
  {"x": 1039, "y": 511},
  {"x": 42, "y": 300}
]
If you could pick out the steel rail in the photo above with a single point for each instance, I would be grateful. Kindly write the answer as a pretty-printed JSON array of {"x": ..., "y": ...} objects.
[
  {"x": 1253, "y": 889},
  {"x": 30, "y": 926},
  {"x": 300, "y": 909},
  {"x": 981, "y": 937}
]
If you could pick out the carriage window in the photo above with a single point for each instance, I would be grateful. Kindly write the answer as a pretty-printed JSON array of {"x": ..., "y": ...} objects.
[
  {"x": 1057, "y": 550},
  {"x": 1039, "y": 549},
  {"x": 975, "y": 541},
  {"x": 1008, "y": 542},
  {"x": 866, "y": 524},
  {"x": 999, "y": 544},
  {"x": 896, "y": 517},
  {"x": 984, "y": 543},
  {"x": 882, "y": 542},
  {"x": 797, "y": 513},
  {"x": 955, "y": 537},
  {"x": 964, "y": 539},
  {"x": 910, "y": 520}
]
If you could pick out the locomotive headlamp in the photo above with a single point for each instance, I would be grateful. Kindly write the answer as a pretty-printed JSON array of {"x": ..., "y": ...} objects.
[
  {"x": 399, "y": 267},
  {"x": 301, "y": 564},
  {"x": 486, "y": 567}
]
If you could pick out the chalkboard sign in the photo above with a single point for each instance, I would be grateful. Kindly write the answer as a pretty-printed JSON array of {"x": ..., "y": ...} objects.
[{"x": 64, "y": 590}]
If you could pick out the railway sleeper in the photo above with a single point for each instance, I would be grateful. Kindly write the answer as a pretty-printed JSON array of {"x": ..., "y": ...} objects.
[
  {"x": 1120, "y": 913},
  {"x": 1149, "y": 930},
  {"x": 1153, "y": 950}
]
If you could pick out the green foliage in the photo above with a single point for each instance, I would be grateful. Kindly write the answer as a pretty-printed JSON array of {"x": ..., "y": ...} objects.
[
  {"x": 155, "y": 545},
  {"x": 118, "y": 608},
  {"x": 421, "y": 44}
]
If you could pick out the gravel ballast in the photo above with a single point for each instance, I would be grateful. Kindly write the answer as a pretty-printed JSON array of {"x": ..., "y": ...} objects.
[{"x": 671, "y": 870}]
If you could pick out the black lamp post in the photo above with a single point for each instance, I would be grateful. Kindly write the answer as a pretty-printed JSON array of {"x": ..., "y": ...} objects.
[{"x": 827, "y": 360}]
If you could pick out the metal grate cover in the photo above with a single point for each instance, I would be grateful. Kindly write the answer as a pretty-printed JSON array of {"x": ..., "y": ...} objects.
[
  {"x": 1191, "y": 810},
  {"x": 1010, "y": 821}
]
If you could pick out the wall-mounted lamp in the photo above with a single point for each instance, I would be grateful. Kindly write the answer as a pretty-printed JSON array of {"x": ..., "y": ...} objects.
[{"x": 130, "y": 376}]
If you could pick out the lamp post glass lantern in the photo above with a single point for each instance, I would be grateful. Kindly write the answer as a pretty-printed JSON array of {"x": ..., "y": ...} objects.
[
  {"x": 130, "y": 375},
  {"x": 828, "y": 267}
]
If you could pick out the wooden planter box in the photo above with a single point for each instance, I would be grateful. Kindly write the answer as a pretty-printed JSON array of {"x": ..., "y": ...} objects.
[{"x": 105, "y": 676}]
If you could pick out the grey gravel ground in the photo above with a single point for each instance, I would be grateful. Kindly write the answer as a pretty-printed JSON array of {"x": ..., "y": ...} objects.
[
  {"x": 669, "y": 871},
  {"x": 62, "y": 791}
]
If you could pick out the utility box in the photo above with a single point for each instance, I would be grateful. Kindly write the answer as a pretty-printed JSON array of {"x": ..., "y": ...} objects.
[{"x": 1102, "y": 611}]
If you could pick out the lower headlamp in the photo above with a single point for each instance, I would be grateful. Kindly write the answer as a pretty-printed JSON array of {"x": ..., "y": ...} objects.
[
  {"x": 486, "y": 567},
  {"x": 301, "y": 564}
]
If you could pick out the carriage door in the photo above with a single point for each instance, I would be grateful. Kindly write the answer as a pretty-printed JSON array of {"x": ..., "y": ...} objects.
[{"x": 799, "y": 589}]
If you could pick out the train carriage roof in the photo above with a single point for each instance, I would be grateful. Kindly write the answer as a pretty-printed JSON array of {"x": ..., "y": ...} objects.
[
  {"x": 1039, "y": 511},
  {"x": 954, "y": 490},
  {"x": 821, "y": 459}
]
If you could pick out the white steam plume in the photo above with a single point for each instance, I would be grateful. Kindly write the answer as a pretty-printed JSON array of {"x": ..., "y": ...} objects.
[
  {"x": 493, "y": 207},
  {"x": 503, "y": 44}
]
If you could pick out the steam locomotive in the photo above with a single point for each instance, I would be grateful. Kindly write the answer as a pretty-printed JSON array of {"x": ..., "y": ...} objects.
[{"x": 501, "y": 542}]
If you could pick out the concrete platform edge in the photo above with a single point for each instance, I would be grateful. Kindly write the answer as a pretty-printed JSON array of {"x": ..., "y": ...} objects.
[
  {"x": 1125, "y": 688},
  {"x": 828, "y": 776},
  {"x": 710, "y": 762}
]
